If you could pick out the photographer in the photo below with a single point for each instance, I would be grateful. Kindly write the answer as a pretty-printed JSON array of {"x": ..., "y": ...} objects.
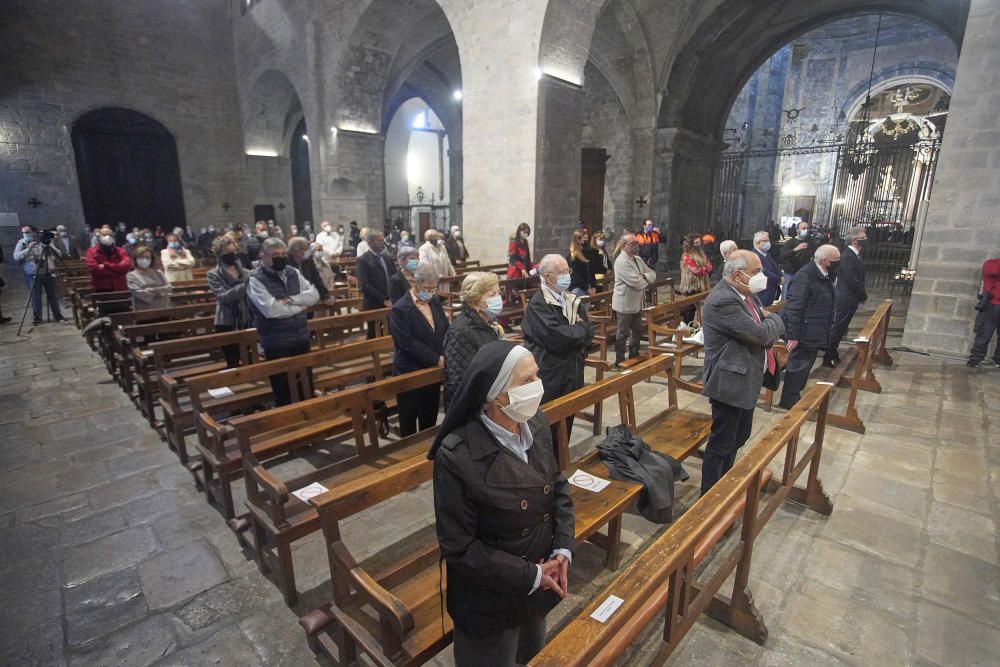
[
  {"x": 798, "y": 252},
  {"x": 38, "y": 259}
]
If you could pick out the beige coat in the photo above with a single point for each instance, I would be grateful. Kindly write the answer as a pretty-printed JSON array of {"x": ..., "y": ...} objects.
[
  {"x": 631, "y": 278},
  {"x": 179, "y": 267},
  {"x": 437, "y": 256}
]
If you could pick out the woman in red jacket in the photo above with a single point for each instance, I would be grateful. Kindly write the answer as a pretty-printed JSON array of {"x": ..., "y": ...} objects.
[
  {"x": 519, "y": 253},
  {"x": 108, "y": 264}
]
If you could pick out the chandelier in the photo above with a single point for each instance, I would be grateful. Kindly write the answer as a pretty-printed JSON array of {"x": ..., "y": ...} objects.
[{"x": 860, "y": 149}]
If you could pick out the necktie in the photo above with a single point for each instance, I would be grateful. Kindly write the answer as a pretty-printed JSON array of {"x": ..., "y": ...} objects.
[
  {"x": 769, "y": 353},
  {"x": 385, "y": 269}
]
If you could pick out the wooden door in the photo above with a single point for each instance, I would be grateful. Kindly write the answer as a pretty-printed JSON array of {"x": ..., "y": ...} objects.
[
  {"x": 424, "y": 218},
  {"x": 593, "y": 168}
]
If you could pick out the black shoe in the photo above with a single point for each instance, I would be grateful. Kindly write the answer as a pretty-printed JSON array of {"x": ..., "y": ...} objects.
[
  {"x": 972, "y": 364},
  {"x": 830, "y": 363},
  {"x": 36, "y": 322},
  {"x": 785, "y": 406},
  {"x": 5, "y": 320}
]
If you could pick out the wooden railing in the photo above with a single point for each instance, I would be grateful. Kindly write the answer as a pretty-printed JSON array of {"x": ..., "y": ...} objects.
[{"x": 663, "y": 578}]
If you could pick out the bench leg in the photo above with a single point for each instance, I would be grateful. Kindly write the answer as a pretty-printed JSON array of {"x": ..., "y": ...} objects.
[
  {"x": 740, "y": 614},
  {"x": 850, "y": 421},
  {"x": 612, "y": 556},
  {"x": 283, "y": 551}
]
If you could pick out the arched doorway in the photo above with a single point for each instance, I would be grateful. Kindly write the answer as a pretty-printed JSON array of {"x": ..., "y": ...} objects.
[
  {"x": 301, "y": 183},
  {"x": 417, "y": 169},
  {"x": 127, "y": 167}
]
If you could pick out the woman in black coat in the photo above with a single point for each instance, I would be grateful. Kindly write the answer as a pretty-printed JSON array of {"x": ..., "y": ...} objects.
[
  {"x": 503, "y": 509},
  {"x": 472, "y": 328},
  {"x": 401, "y": 281},
  {"x": 418, "y": 325}
]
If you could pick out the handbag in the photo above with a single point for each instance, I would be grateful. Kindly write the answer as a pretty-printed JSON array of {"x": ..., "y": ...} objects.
[{"x": 773, "y": 380}]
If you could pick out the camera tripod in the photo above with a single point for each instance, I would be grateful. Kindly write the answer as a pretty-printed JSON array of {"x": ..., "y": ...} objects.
[{"x": 43, "y": 261}]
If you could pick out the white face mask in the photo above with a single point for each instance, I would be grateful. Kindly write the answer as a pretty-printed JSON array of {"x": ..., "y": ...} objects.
[
  {"x": 144, "y": 262},
  {"x": 524, "y": 401},
  {"x": 757, "y": 283},
  {"x": 107, "y": 240},
  {"x": 765, "y": 246}
]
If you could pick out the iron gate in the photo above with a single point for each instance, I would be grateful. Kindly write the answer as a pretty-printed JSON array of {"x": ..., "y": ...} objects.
[{"x": 753, "y": 189}]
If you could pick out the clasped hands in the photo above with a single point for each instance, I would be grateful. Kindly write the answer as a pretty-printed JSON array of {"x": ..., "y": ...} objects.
[{"x": 555, "y": 575}]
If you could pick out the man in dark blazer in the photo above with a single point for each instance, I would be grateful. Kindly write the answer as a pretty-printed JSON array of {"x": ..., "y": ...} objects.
[
  {"x": 808, "y": 315},
  {"x": 739, "y": 334},
  {"x": 770, "y": 268},
  {"x": 373, "y": 272},
  {"x": 850, "y": 291}
]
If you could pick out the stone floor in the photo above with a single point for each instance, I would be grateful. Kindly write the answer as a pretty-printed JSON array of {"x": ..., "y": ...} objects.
[{"x": 111, "y": 557}]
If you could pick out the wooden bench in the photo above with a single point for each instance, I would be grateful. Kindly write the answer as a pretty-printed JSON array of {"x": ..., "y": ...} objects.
[
  {"x": 675, "y": 432},
  {"x": 212, "y": 399},
  {"x": 664, "y": 335},
  {"x": 664, "y": 578},
  {"x": 388, "y": 606},
  {"x": 854, "y": 370},
  {"x": 278, "y": 517}
]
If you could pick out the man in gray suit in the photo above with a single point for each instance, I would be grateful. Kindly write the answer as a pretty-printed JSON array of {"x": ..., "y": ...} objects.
[{"x": 739, "y": 334}]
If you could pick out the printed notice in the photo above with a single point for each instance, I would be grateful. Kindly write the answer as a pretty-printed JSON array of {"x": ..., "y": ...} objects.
[
  {"x": 585, "y": 480},
  {"x": 307, "y": 493},
  {"x": 608, "y": 607},
  {"x": 861, "y": 339},
  {"x": 221, "y": 392}
]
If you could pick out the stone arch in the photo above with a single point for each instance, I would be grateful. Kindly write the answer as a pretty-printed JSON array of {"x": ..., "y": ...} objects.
[
  {"x": 895, "y": 76},
  {"x": 272, "y": 111},
  {"x": 737, "y": 38},
  {"x": 567, "y": 30}
]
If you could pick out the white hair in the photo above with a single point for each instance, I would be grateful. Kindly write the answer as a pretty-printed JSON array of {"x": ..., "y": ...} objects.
[
  {"x": 425, "y": 273},
  {"x": 727, "y": 247},
  {"x": 825, "y": 252},
  {"x": 549, "y": 263},
  {"x": 297, "y": 242},
  {"x": 738, "y": 262},
  {"x": 761, "y": 235}
]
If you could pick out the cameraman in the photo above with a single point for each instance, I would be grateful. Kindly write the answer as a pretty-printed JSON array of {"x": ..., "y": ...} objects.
[
  {"x": 38, "y": 261},
  {"x": 798, "y": 252}
]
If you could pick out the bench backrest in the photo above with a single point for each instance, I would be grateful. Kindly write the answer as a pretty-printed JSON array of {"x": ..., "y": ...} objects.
[
  {"x": 136, "y": 334},
  {"x": 332, "y": 330},
  {"x": 621, "y": 385},
  {"x": 168, "y": 353},
  {"x": 669, "y": 313},
  {"x": 662, "y": 575},
  {"x": 296, "y": 369}
]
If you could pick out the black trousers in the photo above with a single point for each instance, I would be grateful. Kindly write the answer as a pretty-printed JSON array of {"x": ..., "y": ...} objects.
[
  {"x": 630, "y": 331},
  {"x": 516, "y": 645},
  {"x": 279, "y": 383},
  {"x": 841, "y": 320},
  {"x": 418, "y": 406},
  {"x": 800, "y": 363},
  {"x": 47, "y": 282},
  {"x": 987, "y": 324},
  {"x": 231, "y": 352},
  {"x": 731, "y": 427}
]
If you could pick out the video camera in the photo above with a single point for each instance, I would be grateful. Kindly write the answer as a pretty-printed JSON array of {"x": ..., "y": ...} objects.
[{"x": 45, "y": 238}]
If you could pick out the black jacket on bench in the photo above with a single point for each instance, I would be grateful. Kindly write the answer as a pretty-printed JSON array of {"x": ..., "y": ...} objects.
[{"x": 496, "y": 518}]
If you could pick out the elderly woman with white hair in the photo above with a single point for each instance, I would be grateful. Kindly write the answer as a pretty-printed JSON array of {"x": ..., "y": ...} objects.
[
  {"x": 503, "y": 510},
  {"x": 418, "y": 326},
  {"x": 474, "y": 326},
  {"x": 434, "y": 253}
]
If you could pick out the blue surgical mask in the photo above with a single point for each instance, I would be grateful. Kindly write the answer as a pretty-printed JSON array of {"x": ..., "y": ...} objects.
[
  {"x": 175, "y": 245},
  {"x": 765, "y": 246},
  {"x": 563, "y": 281},
  {"x": 27, "y": 237},
  {"x": 131, "y": 239},
  {"x": 411, "y": 265},
  {"x": 494, "y": 304},
  {"x": 425, "y": 296}
]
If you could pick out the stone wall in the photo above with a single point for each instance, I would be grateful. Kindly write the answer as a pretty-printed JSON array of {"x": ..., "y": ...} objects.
[
  {"x": 171, "y": 61},
  {"x": 963, "y": 228},
  {"x": 606, "y": 125}
]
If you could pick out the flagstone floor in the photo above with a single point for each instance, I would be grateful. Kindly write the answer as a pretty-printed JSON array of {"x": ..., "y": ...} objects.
[{"x": 110, "y": 556}]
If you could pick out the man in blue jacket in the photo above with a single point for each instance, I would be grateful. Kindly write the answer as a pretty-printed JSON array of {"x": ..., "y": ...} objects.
[{"x": 762, "y": 246}]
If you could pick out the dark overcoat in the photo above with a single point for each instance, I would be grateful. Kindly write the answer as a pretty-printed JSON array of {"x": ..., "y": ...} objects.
[
  {"x": 808, "y": 311},
  {"x": 558, "y": 347}
]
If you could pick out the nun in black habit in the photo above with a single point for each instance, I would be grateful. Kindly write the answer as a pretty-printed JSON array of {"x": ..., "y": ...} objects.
[{"x": 503, "y": 509}]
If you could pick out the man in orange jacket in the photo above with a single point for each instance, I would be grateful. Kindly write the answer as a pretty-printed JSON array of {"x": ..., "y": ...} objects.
[{"x": 649, "y": 240}]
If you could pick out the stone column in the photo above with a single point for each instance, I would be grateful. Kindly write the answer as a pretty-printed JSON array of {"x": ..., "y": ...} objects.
[
  {"x": 455, "y": 186},
  {"x": 557, "y": 179},
  {"x": 963, "y": 224},
  {"x": 355, "y": 188}
]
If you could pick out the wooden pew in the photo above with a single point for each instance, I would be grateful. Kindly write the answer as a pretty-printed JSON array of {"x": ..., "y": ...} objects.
[
  {"x": 144, "y": 375},
  {"x": 675, "y": 432},
  {"x": 664, "y": 336},
  {"x": 248, "y": 389},
  {"x": 278, "y": 517},
  {"x": 868, "y": 348},
  {"x": 387, "y": 606},
  {"x": 664, "y": 577},
  {"x": 653, "y": 290}
]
